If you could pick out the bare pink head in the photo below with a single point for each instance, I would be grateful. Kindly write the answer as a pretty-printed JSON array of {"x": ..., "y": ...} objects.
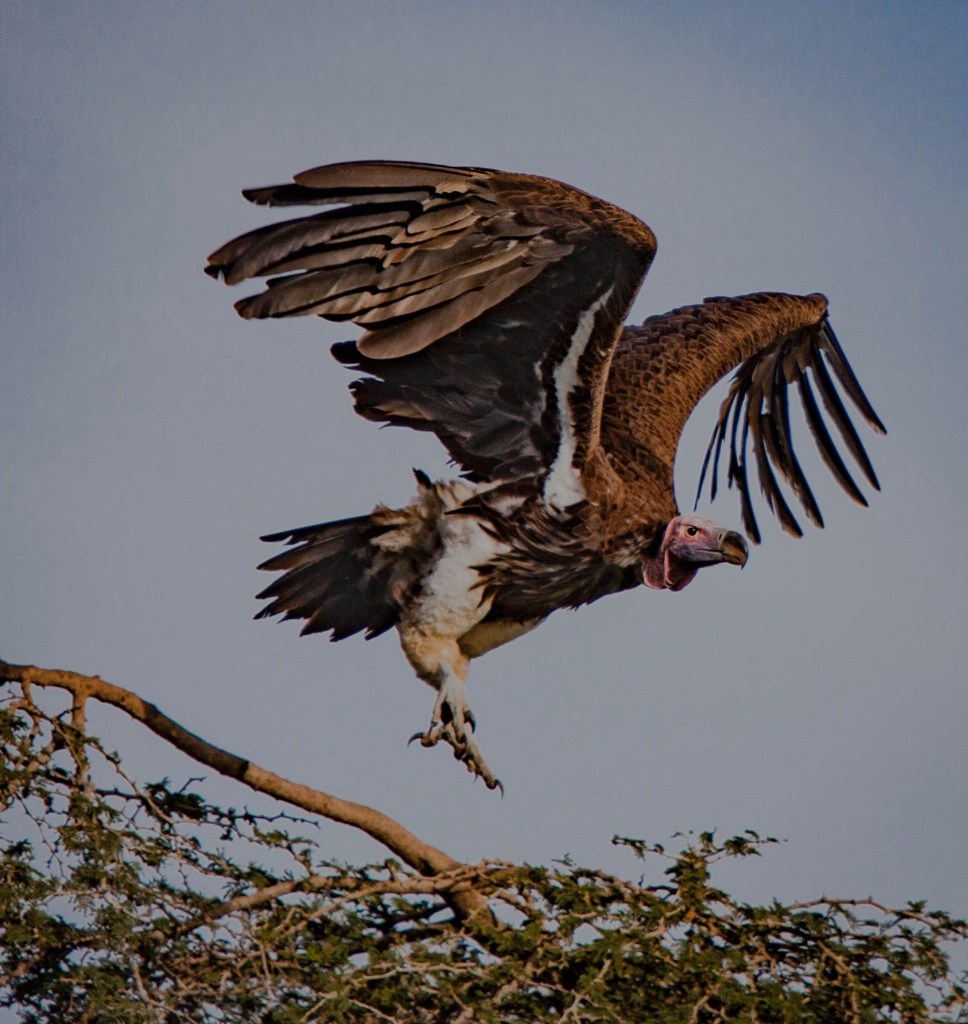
[{"x": 688, "y": 544}]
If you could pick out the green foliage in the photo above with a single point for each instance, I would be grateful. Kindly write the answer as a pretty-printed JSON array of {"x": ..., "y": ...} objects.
[{"x": 128, "y": 902}]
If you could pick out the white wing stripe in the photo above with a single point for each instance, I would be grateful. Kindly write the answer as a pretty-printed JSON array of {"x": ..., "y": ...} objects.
[{"x": 563, "y": 485}]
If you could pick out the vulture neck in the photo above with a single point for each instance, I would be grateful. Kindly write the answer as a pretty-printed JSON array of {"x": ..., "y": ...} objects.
[{"x": 663, "y": 571}]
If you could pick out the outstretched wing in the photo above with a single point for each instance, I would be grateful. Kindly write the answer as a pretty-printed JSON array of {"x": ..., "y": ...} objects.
[
  {"x": 774, "y": 341},
  {"x": 491, "y": 303}
]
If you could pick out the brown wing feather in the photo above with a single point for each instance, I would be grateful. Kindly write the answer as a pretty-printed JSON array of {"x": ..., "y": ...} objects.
[
  {"x": 661, "y": 369},
  {"x": 491, "y": 301}
]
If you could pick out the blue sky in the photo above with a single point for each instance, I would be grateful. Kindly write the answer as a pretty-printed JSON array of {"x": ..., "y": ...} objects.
[{"x": 148, "y": 436}]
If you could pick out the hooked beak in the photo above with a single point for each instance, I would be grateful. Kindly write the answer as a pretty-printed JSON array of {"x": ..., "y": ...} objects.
[{"x": 733, "y": 548}]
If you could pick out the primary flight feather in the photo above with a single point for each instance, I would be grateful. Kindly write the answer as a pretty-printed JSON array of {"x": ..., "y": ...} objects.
[{"x": 493, "y": 306}]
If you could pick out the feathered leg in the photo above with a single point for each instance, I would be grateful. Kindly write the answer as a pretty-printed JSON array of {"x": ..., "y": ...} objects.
[{"x": 440, "y": 662}]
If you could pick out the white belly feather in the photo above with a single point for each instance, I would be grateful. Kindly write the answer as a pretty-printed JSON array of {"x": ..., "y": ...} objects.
[{"x": 452, "y": 600}]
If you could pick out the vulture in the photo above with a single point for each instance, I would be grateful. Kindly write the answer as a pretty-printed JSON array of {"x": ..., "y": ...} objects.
[{"x": 493, "y": 307}]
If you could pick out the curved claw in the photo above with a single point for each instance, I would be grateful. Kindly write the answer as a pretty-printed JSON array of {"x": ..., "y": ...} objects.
[
  {"x": 427, "y": 739},
  {"x": 470, "y": 754}
]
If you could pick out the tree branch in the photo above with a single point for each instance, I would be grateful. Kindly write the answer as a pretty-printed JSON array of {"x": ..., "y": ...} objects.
[
  {"x": 441, "y": 885},
  {"x": 421, "y": 856}
]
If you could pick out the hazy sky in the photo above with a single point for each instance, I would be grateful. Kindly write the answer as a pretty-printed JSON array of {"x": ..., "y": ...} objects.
[{"x": 148, "y": 436}]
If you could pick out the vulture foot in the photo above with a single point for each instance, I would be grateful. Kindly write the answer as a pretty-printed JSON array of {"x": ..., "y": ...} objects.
[{"x": 453, "y": 722}]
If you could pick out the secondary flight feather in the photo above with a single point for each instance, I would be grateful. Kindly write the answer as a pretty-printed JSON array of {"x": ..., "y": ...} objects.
[{"x": 493, "y": 307}]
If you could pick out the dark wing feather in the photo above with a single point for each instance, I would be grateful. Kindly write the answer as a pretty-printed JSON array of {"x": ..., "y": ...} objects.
[
  {"x": 489, "y": 389},
  {"x": 662, "y": 369},
  {"x": 491, "y": 302},
  {"x": 333, "y": 579},
  {"x": 758, "y": 396}
]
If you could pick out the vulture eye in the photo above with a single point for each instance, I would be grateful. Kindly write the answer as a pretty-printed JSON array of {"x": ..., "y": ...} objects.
[{"x": 691, "y": 531}]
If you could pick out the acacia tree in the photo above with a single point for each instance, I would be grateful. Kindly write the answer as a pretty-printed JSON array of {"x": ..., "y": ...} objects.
[{"x": 129, "y": 901}]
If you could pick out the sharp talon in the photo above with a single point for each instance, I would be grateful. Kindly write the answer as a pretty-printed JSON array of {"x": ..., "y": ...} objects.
[{"x": 429, "y": 738}]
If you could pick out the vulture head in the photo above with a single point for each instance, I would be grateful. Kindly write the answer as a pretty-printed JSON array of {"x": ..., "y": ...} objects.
[{"x": 688, "y": 544}]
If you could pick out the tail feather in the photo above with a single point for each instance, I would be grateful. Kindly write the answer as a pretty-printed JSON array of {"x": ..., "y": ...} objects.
[{"x": 335, "y": 578}]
